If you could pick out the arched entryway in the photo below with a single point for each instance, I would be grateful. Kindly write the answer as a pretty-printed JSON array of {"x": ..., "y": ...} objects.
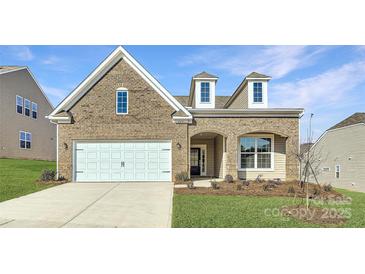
[{"x": 207, "y": 155}]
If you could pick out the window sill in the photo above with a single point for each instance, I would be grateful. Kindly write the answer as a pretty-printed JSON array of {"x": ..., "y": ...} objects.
[{"x": 256, "y": 169}]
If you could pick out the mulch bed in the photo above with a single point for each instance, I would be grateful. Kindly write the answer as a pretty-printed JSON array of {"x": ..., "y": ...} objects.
[
  {"x": 268, "y": 189},
  {"x": 315, "y": 215},
  {"x": 51, "y": 182}
]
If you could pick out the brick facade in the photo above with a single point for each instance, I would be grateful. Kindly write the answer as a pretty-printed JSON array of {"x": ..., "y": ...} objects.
[{"x": 150, "y": 118}]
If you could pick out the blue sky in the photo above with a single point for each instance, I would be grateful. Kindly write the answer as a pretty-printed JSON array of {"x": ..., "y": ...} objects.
[{"x": 328, "y": 81}]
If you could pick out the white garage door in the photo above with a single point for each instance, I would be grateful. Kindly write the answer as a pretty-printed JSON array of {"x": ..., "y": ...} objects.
[{"x": 122, "y": 161}]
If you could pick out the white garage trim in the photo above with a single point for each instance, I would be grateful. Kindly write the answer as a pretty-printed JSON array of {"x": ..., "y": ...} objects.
[{"x": 129, "y": 153}]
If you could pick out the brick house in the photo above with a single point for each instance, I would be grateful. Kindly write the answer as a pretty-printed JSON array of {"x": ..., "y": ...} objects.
[{"x": 121, "y": 124}]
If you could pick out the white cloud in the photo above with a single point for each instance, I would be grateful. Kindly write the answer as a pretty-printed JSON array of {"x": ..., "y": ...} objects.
[
  {"x": 51, "y": 60},
  {"x": 328, "y": 95},
  {"x": 22, "y": 53},
  {"x": 327, "y": 88},
  {"x": 276, "y": 61},
  {"x": 55, "y": 94}
]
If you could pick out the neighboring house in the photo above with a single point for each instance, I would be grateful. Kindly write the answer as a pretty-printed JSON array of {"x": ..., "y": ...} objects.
[
  {"x": 121, "y": 124},
  {"x": 340, "y": 153},
  {"x": 25, "y": 132}
]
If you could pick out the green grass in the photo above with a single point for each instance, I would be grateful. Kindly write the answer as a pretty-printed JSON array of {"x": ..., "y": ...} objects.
[
  {"x": 18, "y": 177},
  {"x": 249, "y": 211}
]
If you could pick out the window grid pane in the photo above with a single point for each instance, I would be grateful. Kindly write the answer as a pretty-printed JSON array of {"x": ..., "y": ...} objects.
[
  {"x": 122, "y": 102},
  {"x": 19, "y": 104},
  {"x": 204, "y": 92},
  {"x": 255, "y": 152},
  {"x": 257, "y": 92},
  {"x": 248, "y": 160}
]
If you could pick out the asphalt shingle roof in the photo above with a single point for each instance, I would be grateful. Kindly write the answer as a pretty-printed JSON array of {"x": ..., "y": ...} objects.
[
  {"x": 9, "y": 68},
  {"x": 356, "y": 118},
  {"x": 220, "y": 101},
  {"x": 204, "y": 75},
  {"x": 257, "y": 75}
]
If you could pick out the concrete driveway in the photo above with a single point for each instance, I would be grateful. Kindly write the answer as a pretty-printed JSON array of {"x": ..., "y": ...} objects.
[{"x": 92, "y": 205}]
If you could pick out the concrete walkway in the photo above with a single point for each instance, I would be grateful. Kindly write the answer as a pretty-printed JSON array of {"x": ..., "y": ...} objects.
[{"x": 92, "y": 205}]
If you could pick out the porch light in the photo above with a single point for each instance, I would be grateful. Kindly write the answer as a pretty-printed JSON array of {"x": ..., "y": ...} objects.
[
  {"x": 178, "y": 145},
  {"x": 65, "y": 146}
]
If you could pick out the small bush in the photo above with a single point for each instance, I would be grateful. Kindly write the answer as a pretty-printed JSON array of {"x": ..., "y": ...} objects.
[
  {"x": 316, "y": 191},
  {"x": 327, "y": 187},
  {"x": 190, "y": 185},
  {"x": 48, "y": 175},
  {"x": 239, "y": 187},
  {"x": 228, "y": 179},
  {"x": 267, "y": 187},
  {"x": 291, "y": 190},
  {"x": 61, "y": 178},
  {"x": 181, "y": 177},
  {"x": 214, "y": 184}
]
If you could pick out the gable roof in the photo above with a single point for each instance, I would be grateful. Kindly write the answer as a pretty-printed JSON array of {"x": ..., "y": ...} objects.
[
  {"x": 252, "y": 76},
  {"x": 220, "y": 101},
  {"x": 8, "y": 69},
  {"x": 118, "y": 54},
  {"x": 204, "y": 75},
  {"x": 256, "y": 75},
  {"x": 356, "y": 118}
]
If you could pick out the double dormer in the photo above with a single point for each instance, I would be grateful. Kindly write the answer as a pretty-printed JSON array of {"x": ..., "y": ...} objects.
[{"x": 251, "y": 93}]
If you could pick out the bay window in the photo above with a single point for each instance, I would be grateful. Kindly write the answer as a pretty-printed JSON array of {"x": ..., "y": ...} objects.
[{"x": 256, "y": 152}]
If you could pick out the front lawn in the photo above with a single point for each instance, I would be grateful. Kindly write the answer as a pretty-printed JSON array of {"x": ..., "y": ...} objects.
[
  {"x": 18, "y": 177},
  {"x": 251, "y": 211}
]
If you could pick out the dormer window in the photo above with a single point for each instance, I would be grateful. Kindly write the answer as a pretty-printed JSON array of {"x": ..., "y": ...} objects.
[
  {"x": 204, "y": 92},
  {"x": 257, "y": 92}
]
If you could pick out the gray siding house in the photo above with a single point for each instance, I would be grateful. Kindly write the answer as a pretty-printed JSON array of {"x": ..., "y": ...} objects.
[
  {"x": 340, "y": 152},
  {"x": 25, "y": 133}
]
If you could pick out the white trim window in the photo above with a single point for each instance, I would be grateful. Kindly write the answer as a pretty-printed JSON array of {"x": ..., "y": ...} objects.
[
  {"x": 121, "y": 104},
  {"x": 34, "y": 110},
  {"x": 256, "y": 153},
  {"x": 26, "y": 107},
  {"x": 205, "y": 92},
  {"x": 257, "y": 92},
  {"x": 25, "y": 140},
  {"x": 337, "y": 171},
  {"x": 19, "y": 104}
]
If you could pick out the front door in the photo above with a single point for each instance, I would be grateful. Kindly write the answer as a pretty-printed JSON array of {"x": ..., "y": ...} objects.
[{"x": 195, "y": 161}]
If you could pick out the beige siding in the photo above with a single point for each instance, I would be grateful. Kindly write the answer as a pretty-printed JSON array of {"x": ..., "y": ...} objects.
[
  {"x": 335, "y": 148},
  {"x": 279, "y": 163},
  {"x": 241, "y": 100},
  {"x": 43, "y": 132}
]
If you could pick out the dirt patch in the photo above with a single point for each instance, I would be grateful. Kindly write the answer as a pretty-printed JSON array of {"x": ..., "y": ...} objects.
[
  {"x": 316, "y": 215},
  {"x": 269, "y": 189}
]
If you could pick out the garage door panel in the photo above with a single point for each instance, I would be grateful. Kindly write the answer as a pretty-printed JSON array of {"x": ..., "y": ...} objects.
[{"x": 124, "y": 161}]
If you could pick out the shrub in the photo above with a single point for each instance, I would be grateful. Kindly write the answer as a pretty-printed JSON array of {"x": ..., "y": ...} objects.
[
  {"x": 267, "y": 187},
  {"x": 214, "y": 184},
  {"x": 316, "y": 191},
  {"x": 61, "y": 178},
  {"x": 190, "y": 185},
  {"x": 327, "y": 187},
  {"x": 239, "y": 186},
  {"x": 291, "y": 189},
  {"x": 48, "y": 175},
  {"x": 181, "y": 177},
  {"x": 228, "y": 179}
]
